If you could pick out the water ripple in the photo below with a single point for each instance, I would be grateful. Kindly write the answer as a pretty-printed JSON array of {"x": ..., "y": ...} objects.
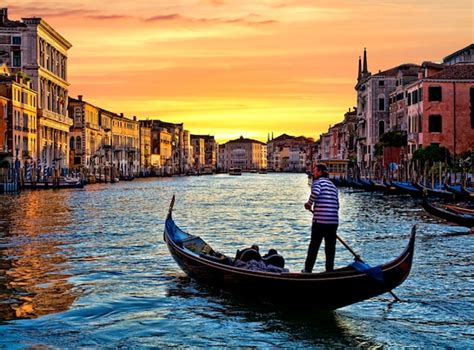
[{"x": 88, "y": 268}]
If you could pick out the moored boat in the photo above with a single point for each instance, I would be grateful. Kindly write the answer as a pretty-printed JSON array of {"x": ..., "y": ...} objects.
[
  {"x": 462, "y": 219},
  {"x": 407, "y": 188},
  {"x": 436, "y": 192},
  {"x": 44, "y": 185},
  {"x": 468, "y": 192},
  {"x": 323, "y": 291},
  {"x": 235, "y": 171}
]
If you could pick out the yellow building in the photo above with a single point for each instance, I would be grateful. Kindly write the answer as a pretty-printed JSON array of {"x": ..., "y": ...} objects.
[
  {"x": 21, "y": 134},
  {"x": 145, "y": 149},
  {"x": 126, "y": 146},
  {"x": 86, "y": 135}
]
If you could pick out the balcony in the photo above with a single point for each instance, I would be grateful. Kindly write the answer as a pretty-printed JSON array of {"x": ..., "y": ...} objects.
[
  {"x": 56, "y": 117},
  {"x": 412, "y": 137}
]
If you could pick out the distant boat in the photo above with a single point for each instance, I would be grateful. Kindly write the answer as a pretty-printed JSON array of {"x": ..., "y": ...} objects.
[
  {"x": 253, "y": 171},
  {"x": 235, "y": 171},
  {"x": 262, "y": 171},
  {"x": 63, "y": 183}
]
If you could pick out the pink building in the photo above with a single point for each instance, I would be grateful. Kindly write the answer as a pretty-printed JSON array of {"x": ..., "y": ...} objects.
[{"x": 440, "y": 109}]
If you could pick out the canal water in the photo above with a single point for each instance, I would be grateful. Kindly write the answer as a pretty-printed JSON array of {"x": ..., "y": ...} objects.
[{"x": 88, "y": 268}]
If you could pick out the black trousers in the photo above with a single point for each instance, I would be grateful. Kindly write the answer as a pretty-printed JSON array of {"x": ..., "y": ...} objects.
[{"x": 318, "y": 232}]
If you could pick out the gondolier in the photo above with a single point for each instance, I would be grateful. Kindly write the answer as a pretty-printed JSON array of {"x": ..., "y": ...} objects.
[{"x": 324, "y": 203}]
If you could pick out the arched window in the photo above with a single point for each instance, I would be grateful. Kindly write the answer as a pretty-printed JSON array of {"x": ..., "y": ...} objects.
[
  {"x": 78, "y": 143},
  {"x": 381, "y": 128},
  {"x": 71, "y": 143}
]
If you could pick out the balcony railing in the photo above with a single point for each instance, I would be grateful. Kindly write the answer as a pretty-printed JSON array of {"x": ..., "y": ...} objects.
[{"x": 57, "y": 117}]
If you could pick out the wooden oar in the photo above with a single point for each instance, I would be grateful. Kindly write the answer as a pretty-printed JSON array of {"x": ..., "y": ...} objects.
[{"x": 358, "y": 258}]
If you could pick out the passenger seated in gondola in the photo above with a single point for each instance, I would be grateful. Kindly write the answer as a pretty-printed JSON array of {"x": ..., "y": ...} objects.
[
  {"x": 250, "y": 258},
  {"x": 273, "y": 258},
  {"x": 248, "y": 254}
]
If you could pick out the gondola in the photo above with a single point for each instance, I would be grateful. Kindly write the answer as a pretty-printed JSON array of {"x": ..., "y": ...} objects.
[
  {"x": 437, "y": 192},
  {"x": 468, "y": 192},
  {"x": 457, "y": 191},
  {"x": 466, "y": 220},
  {"x": 407, "y": 188},
  {"x": 320, "y": 291}
]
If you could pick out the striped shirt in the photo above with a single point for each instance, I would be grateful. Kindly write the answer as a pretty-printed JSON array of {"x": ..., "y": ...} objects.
[{"x": 325, "y": 201}]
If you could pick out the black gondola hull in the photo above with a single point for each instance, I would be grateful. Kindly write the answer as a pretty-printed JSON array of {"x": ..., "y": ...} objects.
[
  {"x": 322, "y": 291},
  {"x": 460, "y": 219}
]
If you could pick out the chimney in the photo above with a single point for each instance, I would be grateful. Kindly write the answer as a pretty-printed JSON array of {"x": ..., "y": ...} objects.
[
  {"x": 3, "y": 15},
  {"x": 121, "y": 115},
  {"x": 79, "y": 97},
  {"x": 134, "y": 118}
]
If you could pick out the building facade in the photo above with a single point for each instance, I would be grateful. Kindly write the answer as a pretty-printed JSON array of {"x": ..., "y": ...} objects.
[
  {"x": 34, "y": 47},
  {"x": 373, "y": 115},
  {"x": 19, "y": 120},
  {"x": 243, "y": 153},
  {"x": 145, "y": 150},
  {"x": 126, "y": 146},
  {"x": 289, "y": 153}
]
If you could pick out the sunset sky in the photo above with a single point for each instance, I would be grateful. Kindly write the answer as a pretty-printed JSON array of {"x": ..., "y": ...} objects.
[{"x": 231, "y": 68}]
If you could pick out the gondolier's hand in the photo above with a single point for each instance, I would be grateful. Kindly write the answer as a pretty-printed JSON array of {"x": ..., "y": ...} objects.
[{"x": 307, "y": 206}]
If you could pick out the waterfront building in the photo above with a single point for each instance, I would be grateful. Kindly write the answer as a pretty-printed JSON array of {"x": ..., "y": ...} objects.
[
  {"x": 126, "y": 146},
  {"x": 86, "y": 136},
  {"x": 177, "y": 161},
  {"x": 348, "y": 135},
  {"x": 18, "y": 123},
  {"x": 198, "y": 144},
  {"x": 145, "y": 150},
  {"x": 464, "y": 55},
  {"x": 243, "y": 153},
  {"x": 373, "y": 106},
  {"x": 289, "y": 153},
  {"x": 325, "y": 146},
  {"x": 106, "y": 152},
  {"x": 187, "y": 151},
  {"x": 34, "y": 47},
  {"x": 207, "y": 156},
  {"x": 440, "y": 109}
]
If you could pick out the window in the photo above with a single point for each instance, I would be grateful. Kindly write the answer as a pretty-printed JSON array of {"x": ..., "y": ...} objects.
[
  {"x": 16, "y": 58},
  {"x": 381, "y": 82},
  {"x": 472, "y": 106},
  {"x": 434, "y": 123},
  {"x": 381, "y": 128},
  {"x": 381, "y": 104},
  {"x": 16, "y": 40},
  {"x": 420, "y": 94},
  {"x": 434, "y": 93},
  {"x": 78, "y": 143},
  {"x": 414, "y": 97},
  {"x": 71, "y": 143},
  {"x": 400, "y": 96},
  {"x": 409, "y": 99}
]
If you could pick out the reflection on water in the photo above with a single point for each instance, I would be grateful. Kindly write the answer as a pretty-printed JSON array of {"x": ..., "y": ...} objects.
[
  {"x": 325, "y": 328},
  {"x": 88, "y": 267},
  {"x": 33, "y": 277}
]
